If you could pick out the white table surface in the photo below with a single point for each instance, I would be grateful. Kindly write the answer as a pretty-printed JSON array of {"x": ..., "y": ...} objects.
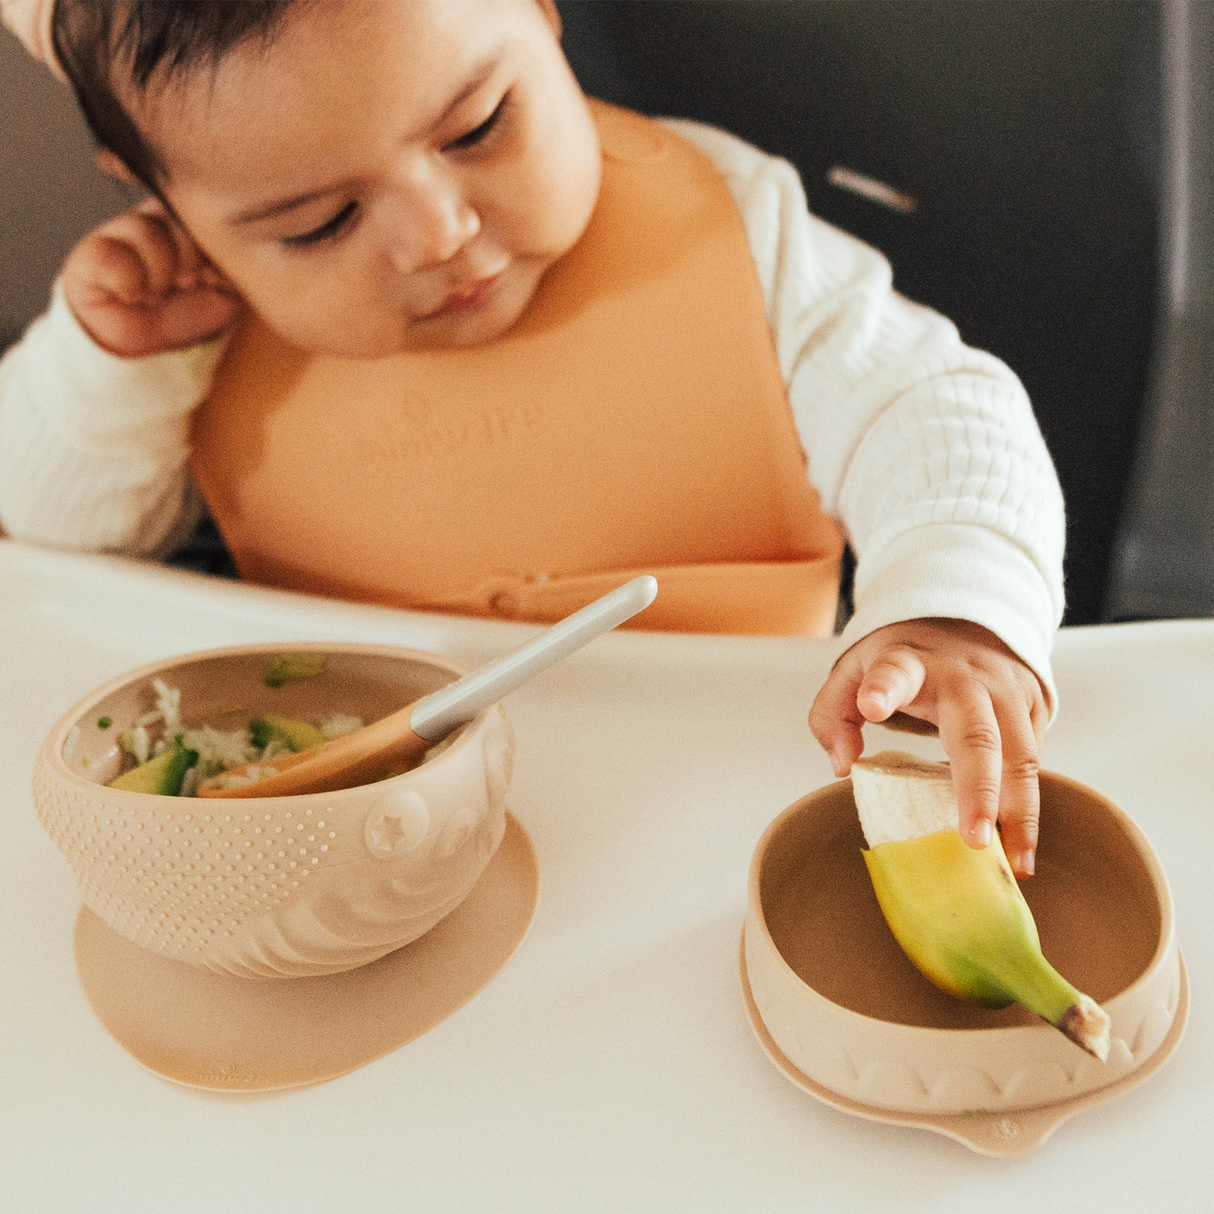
[{"x": 610, "y": 1065}]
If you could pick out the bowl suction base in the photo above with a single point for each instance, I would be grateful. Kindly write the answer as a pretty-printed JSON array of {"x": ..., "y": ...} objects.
[
  {"x": 229, "y": 1034},
  {"x": 999, "y": 1134}
]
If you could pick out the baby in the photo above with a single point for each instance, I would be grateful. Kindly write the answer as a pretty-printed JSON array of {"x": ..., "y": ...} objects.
[{"x": 355, "y": 191}]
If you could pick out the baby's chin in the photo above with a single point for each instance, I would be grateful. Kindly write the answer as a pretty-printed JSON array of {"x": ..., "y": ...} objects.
[
  {"x": 462, "y": 330},
  {"x": 402, "y": 333}
]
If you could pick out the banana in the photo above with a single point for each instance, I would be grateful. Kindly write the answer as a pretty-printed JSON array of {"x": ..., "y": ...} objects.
[{"x": 958, "y": 913}]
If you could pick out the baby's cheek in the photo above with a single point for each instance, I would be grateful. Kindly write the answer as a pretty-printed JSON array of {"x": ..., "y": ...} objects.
[
  {"x": 554, "y": 199},
  {"x": 344, "y": 324}
]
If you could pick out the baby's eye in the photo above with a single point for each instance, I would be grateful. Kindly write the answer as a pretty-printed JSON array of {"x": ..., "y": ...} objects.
[
  {"x": 328, "y": 229},
  {"x": 474, "y": 136}
]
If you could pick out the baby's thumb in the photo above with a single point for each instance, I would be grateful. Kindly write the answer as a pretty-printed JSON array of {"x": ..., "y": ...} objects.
[{"x": 188, "y": 318}]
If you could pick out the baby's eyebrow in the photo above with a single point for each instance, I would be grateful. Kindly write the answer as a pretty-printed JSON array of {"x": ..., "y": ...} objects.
[{"x": 476, "y": 78}]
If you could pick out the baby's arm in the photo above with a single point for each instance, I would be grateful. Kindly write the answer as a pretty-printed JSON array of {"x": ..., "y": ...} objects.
[
  {"x": 94, "y": 401},
  {"x": 929, "y": 453}
]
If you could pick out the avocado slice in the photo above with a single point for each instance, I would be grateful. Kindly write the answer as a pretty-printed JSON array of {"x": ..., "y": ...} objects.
[
  {"x": 287, "y": 667},
  {"x": 296, "y": 735},
  {"x": 162, "y": 775}
]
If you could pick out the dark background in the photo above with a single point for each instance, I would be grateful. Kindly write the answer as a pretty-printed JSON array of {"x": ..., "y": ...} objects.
[{"x": 1028, "y": 132}]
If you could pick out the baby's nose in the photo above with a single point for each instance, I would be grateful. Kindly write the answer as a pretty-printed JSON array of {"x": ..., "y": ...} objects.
[{"x": 430, "y": 225}]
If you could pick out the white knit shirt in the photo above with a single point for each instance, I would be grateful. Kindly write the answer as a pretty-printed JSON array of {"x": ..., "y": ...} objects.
[{"x": 926, "y": 450}]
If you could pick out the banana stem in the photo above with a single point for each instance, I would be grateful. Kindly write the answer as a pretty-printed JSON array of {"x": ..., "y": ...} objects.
[
  {"x": 1033, "y": 981},
  {"x": 1030, "y": 979}
]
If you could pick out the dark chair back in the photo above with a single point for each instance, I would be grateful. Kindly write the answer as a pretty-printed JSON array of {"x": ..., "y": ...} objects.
[{"x": 1028, "y": 134}]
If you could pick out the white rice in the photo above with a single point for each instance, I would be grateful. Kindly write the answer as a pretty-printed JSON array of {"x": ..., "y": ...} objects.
[
  {"x": 168, "y": 704},
  {"x": 218, "y": 750},
  {"x": 338, "y": 724}
]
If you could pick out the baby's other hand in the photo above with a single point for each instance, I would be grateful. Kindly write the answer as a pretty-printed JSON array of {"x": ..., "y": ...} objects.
[
  {"x": 986, "y": 703},
  {"x": 139, "y": 285}
]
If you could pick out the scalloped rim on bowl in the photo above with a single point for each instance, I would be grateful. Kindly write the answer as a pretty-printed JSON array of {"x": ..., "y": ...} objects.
[{"x": 997, "y": 1134}]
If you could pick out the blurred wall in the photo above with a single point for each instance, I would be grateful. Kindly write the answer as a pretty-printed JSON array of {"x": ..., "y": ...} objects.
[
  {"x": 50, "y": 191},
  {"x": 1164, "y": 564}
]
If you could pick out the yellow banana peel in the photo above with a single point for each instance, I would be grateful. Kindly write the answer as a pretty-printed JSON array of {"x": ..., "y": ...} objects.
[{"x": 959, "y": 915}]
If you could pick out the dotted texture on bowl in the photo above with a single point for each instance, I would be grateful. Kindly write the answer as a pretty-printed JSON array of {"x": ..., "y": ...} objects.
[{"x": 173, "y": 881}]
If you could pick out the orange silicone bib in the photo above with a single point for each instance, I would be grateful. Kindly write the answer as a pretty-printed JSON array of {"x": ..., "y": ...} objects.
[{"x": 634, "y": 420}]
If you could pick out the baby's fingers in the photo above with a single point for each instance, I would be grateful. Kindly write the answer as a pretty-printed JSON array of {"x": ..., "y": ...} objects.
[
  {"x": 188, "y": 264},
  {"x": 892, "y": 682},
  {"x": 134, "y": 257},
  {"x": 969, "y": 732},
  {"x": 1019, "y": 795},
  {"x": 110, "y": 269}
]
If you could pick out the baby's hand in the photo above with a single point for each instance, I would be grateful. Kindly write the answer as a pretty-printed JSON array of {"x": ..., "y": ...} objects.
[
  {"x": 988, "y": 706},
  {"x": 139, "y": 285}
]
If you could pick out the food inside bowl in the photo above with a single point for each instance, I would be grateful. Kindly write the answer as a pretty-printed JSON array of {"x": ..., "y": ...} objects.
[{"x": 170, "y": 759}]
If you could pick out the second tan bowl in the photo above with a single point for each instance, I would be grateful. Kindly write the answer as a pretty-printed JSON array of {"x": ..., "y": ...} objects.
[{"x": 847, "y": 1008}]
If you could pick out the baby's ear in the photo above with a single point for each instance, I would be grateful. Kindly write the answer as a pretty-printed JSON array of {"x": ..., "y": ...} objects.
[{"x": 109, "y": 163}]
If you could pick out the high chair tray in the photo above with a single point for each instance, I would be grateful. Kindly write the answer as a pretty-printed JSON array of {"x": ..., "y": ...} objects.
[{"x": 610, "y": 1065}]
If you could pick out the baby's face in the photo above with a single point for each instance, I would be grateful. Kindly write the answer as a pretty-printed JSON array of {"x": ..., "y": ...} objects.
[{"x": 384, "y": 175}]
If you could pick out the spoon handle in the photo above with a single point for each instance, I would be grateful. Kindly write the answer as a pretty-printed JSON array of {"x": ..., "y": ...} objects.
[{"x": 436, "y": 715}]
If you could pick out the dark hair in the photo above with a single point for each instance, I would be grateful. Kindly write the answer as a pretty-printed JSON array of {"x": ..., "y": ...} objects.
[{"x": 96, "y": 39}]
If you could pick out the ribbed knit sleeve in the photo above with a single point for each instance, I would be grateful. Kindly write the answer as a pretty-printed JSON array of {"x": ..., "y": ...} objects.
[
  {"x": 926, "y": 450},
  {"x": 93, "y": 447}
]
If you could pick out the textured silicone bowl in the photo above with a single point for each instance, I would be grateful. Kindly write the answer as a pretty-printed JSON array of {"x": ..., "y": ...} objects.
[
  {"x": 276, "y": 886},
  {"x": 849, "y": 1011}
]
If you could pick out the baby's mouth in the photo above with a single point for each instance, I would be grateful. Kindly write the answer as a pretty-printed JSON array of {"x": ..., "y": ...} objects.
[{"x": 466, "y": 298}]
